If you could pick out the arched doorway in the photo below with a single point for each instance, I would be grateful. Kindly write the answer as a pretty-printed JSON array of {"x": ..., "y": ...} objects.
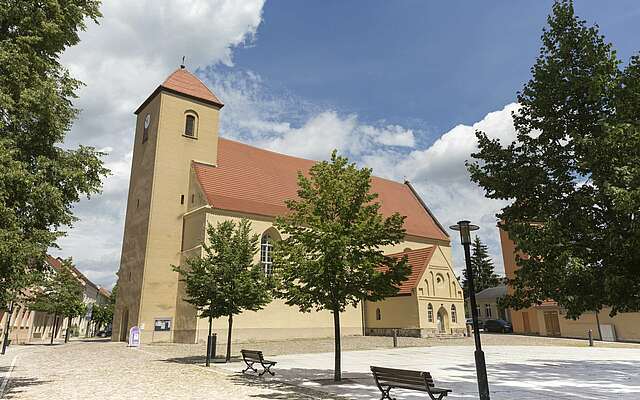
[{"x": 443, "y": 320}]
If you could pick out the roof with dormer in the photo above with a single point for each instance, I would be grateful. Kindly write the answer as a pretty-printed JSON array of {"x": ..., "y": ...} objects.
[
  {"x": 418, "y": 261},
  {"x": 251, "y": 180},
  {"x": 184, "y": 83}
]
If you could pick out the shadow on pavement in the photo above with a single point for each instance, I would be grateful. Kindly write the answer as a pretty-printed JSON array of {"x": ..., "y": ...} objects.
[
  {"x": 603, "y": 379},
  {"x": 284, "y": 388},
  {"x": 16, "y": 384},
  {"x": 199, "y": 360}
]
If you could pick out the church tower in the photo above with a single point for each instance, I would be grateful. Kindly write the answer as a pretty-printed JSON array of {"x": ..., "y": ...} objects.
[{"x": 175, "y": 125}]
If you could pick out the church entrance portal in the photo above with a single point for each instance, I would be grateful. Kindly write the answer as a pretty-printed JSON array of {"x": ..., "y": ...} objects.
[{"x": 443, "y": 321}]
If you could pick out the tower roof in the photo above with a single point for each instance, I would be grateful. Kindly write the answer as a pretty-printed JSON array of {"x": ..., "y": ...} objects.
[{"x": 184, "y": 83}]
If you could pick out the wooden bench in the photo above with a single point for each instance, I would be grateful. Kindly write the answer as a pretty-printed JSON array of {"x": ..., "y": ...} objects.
[
  {"x": 390, "y": 378},
  {"x": 251, "y": 357}
]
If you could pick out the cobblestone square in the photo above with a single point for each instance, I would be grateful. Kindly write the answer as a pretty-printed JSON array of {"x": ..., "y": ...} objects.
[{"x": 518, "y": 367}]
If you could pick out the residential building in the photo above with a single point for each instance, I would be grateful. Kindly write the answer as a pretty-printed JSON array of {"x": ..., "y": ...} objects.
[
  {"x": 28, "y": 325},
  {"x": 488, "y": 305},
  {"x": 548, "y": 319},
  {"x": 185, "y": 177}
]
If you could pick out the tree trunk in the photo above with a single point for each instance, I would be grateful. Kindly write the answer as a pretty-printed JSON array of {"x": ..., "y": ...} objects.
[
  {"x": 53, "y": 327},
  {"x": 598, "y": 323},
  {"x": 5, "y": 339},
  {"x": 229, "y": 338},
  {"x": 209, "y": 343},
  {"x": 66, "y": 334},
  {"x": 337, "y": 369}
]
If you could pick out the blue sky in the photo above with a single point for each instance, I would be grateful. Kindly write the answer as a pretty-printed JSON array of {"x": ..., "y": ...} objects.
[
  {"x": 397, "y": 86},
  {"x": 434, "y": 64}
]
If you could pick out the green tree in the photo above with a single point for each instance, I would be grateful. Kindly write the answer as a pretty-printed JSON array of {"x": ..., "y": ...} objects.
[
  {"x": 102, "y": 314},
  {"x": 225, "y": 281},
  {"x": 572, "y": 175},
  {"x": 331, "y": 255},
  {"x": 60, "y": 294},
  {"x": 484, "y": 276},
  {"x": 39, "y": 178}
]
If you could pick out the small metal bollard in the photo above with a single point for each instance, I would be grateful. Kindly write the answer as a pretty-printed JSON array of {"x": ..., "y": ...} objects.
[
  {"x": 590, "y": 338},
  {"x": 395, "y": 338}
]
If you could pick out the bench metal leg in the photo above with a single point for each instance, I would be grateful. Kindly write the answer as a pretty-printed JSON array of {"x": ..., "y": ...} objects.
[
  {"x": 249, "y": 367},
  {"x": 267, "y": 368},
  {"x": 385, "y": 393}
]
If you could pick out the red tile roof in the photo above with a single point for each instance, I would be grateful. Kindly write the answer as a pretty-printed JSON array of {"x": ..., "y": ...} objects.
[
  {"x": 252, "y": 180},
  {"x": 56, "y": 264},
  {"x": 184, "y": 82},
  {"x": 418, "y": 261}
]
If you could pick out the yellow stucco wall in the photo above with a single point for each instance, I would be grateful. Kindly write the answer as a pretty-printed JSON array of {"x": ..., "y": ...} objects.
[
  {"x": 153, "y": 226},
  {"x": 166, "y": 219}
]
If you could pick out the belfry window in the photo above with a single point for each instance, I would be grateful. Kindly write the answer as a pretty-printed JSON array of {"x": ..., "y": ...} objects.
[
  {"x": 266, "y": 249},
  {"x": 190, "y": 126}
]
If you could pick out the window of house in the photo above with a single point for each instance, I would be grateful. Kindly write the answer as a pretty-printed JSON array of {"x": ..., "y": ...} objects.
[
  {"x": 378, "y": 315},
  {"x": 190, "y": 126},
  {"x": 266, "y": 249},
  {"x": 454, "y": 314},
  {"x": 487, "y": 310},
  {"x": 421, "y": 290},
  {"x": 430, "y": 313}
]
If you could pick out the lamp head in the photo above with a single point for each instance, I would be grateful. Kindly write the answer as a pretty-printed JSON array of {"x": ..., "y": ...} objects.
[{"x": 465, "y": 228}]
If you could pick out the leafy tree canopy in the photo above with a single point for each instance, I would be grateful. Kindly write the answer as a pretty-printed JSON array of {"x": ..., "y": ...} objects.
[
  {"x": 225, "y": 281},
  {"x": 334, "y": 235},
  {"x": 61, "y": 293},
  {"x": 572, "y": 174},
  {"x": 39, "y": 178}
]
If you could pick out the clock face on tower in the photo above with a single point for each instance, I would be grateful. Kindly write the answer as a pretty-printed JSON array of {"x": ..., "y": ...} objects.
[{"x": 145, "y": 131}]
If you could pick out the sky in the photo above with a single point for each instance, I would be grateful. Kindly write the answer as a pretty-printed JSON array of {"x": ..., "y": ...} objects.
[{"x": 400, "y": 87}]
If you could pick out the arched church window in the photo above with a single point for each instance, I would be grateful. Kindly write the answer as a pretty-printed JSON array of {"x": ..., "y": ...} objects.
[
  {"x": 454, "y": 314},
  {"x": 430, "y": 313},
  {"x": 190, "y": 125},
  {"x": 266, "y": 250},
  {"x": 378, "y": 314}
]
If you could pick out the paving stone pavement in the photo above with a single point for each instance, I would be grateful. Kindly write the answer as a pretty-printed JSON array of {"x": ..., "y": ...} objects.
[
  {"x": 105, "y": 370},
  {"x": 515, "y": 372}
]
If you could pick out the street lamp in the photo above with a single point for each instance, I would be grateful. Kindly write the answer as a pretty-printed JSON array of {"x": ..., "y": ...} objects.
[{"x": 465, "y": 228}]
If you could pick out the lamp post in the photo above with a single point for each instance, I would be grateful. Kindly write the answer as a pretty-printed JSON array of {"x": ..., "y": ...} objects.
[{"x": 465, "y": 228}]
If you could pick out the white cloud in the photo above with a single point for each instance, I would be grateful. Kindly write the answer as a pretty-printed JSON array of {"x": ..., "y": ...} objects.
[
  {"x": 139, "y": 43},
  {"x": 134, "y": 48},
  {"x": 262, "y": 116}
]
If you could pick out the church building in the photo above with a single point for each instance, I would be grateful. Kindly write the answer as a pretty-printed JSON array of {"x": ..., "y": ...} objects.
[{"x": 184, "y": 177}]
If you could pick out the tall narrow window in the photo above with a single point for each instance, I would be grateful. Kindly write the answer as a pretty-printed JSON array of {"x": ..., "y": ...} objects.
[
  {"x": 487, "y": 310},
  {"x": 378, "y": 314},
  {"x": 266, "y": 248},
  {"x": 190, "y": 126},
  {"x": 430, "y": 313},
  {"x": 454, "y": 314}
]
